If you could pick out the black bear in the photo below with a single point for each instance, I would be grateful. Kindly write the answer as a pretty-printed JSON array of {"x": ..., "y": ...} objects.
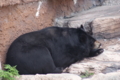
[{"x": 51, "y": 49}]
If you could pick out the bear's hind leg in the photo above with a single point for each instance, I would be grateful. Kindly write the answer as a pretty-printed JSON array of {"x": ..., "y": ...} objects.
[{"x": 38, "y": 60}]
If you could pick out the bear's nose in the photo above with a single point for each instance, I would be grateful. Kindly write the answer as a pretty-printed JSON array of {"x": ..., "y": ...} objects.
[{"x": 97, "y": 45}]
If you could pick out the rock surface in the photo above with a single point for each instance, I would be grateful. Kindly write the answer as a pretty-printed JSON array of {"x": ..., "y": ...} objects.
[
  {"x": 104, "y": 21},
  {"x": 50, "y": 77},
  {"x": 109, "y": 76},
  {"x": 111, "y": 2},
  {"x": 104, "y": 63},
  {"x": 106, "y": 27}
]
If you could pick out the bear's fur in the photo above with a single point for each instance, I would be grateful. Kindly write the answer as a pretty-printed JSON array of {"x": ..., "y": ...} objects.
[{"x": 50, "y": 50}]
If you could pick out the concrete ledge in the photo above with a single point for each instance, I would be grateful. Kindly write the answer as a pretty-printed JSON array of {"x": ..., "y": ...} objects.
[{"x": 64, "y": 76}]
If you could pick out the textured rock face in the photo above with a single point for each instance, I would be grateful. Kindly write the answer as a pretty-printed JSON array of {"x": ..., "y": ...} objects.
[
  {"x": 104, "y": 21},
  {"x": 111, "y": 2},
  {"x": 106, "y": 27},
  {"x": 109, "y": 76}
]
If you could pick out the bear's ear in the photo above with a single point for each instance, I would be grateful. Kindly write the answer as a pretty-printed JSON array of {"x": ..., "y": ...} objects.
[
  {"x": 87, "y": 29},
  {"x": 82, "y": 28}
]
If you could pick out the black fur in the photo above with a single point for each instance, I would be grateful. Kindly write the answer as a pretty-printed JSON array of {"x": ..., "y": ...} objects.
[{"x": 50, "y": 49}]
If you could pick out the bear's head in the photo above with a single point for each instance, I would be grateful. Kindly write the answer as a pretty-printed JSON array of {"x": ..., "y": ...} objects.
[{"x": 92, "y": 46}]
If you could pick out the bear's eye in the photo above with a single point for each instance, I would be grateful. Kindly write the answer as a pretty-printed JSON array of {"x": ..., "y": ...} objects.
[
  {"x": 83, "y": 38},
  {"x": 92, "y": 41}
]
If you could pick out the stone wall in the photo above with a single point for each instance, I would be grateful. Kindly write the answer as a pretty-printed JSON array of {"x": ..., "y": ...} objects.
[{"x": 21, "y": 16}]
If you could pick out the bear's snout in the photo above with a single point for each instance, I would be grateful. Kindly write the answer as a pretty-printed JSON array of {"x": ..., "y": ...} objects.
[
  {"x": 97, "y": 45},
  {"x": 98, "y": 48}
]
